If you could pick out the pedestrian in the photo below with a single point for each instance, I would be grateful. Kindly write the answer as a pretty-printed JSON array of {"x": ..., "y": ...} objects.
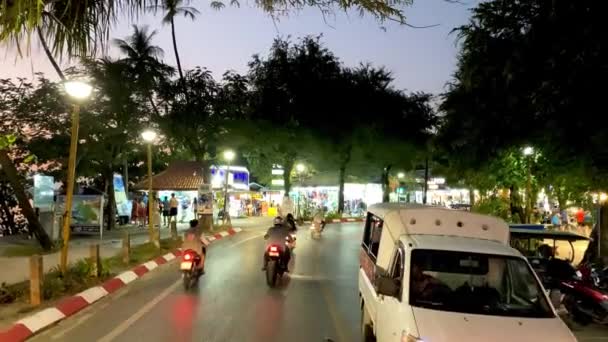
[
  {"x": 580, "y": 217},
  {"x": 555, "y": 221},
  {"x": 173, "y": 204},
  {"x": 165, "y": 206},
  {"x": 195, "y": 208},
  {"x": 141, "y": 213},
  {"x": 135, "y": 211}
]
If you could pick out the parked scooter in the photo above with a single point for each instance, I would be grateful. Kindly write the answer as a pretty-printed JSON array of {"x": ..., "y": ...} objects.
[{"x": 584, "y": 299}]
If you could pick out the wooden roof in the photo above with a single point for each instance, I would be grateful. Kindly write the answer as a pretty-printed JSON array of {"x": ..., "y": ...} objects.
[{"x": 180, "y": 175}]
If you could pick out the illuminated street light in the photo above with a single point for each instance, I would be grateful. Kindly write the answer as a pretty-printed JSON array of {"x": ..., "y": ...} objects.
[
  {"x": 300, "y": 168},
  {"x": 400, "y": 175},
  {"x": 229, "y": 155},
  {"x": 528, "y": 151},
  {"x": 78, "y": 91},
  {"x": 148, "y": 135}
]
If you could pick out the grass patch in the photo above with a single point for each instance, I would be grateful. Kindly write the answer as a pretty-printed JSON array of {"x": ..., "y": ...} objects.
[
  {"x": 26, "y": 250},
  {"x": 79, "y": 275}
]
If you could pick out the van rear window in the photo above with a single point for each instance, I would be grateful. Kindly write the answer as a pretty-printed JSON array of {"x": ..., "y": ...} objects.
[{"x": 372, "y": 234}]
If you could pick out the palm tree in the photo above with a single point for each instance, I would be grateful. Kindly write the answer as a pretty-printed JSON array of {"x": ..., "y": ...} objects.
[
  {"x": 172, "y": 9},
  {"x": 143, "y": 59}
]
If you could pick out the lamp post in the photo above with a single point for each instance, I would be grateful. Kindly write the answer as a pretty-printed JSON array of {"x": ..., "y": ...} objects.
[
  {"x": 149, "y": 136},
  {"x": 228, "y": 156},
  {"x": 78, "y": 92},
  {"x": 300, "y": 168},
  {"x": 528, "y": 152}
]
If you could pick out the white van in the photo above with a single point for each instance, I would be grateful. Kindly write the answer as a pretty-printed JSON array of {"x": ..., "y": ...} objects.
[{"x": 431, "y": 274}]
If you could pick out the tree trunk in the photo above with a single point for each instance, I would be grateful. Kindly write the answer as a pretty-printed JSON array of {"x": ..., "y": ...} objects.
[
  {"x": 125, "y": 171},
  {"x": 603, "y": 232},
  {"x": 341, "y": 189},
  {"x": 111, "y": 205},
  {"x": 515, "y": 204},
  {"x": 179, "y": 64},
  {"x": 471, "y": 197},
  {"x": 33, "y": 224},
  {"x": 287, "y": 168},
  {"x": 426, "y": 180},
  {"x": 346, "y": 155},
  {"x": 386, "y": 187},
  {"x": 49, "y": 55}
]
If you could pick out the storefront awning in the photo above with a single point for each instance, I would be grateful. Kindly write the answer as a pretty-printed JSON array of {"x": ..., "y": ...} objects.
[{"x": 179, "y": 176}]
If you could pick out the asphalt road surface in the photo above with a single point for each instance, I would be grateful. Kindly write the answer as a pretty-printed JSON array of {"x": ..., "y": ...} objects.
[{"x": 317, "y": 302}]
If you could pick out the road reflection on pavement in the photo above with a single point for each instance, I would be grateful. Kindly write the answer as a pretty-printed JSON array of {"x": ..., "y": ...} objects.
[
  {"x": 183, "y": 316},
  {"x": 269, "y": 315}
]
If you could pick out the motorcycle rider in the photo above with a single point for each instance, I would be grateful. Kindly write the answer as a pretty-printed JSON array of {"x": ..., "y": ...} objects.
[
  {"x": 277, "y": 235},
  {"x": 290, "y": 223},
  {"x": 196, "y": 241}
]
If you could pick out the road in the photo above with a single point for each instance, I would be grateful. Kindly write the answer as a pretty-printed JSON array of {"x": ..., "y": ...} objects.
[
  {"x": 232, "y": 303},
  {"x": 317, "y": 302}
]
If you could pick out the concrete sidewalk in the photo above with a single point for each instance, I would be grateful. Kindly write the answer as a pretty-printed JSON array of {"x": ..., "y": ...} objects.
[{"x": 16, "y": 269}]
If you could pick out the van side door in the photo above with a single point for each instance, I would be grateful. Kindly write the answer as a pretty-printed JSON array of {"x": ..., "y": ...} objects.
[
  {"x": 391, "y": 309},
  {"x": 367, "y": 261}
]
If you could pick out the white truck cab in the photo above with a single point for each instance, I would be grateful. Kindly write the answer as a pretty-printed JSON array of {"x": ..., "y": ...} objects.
[{"x": 433, "y": 274}]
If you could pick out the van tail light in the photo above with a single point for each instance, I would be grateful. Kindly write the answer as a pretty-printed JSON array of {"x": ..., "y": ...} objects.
[{"x": 405, "y": 337}]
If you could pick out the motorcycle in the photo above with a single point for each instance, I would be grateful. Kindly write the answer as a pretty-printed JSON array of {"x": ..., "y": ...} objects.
[
  {"x": 584, "y": 299},
  {"x": 190, "y": 268},
  {"x": 276, "y": 264},
  {"x": 316, "y": 228}
]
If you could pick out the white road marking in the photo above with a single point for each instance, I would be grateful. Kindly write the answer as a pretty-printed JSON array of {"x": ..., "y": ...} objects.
[
  {"x": 224, "y": 234},
  {"x": 72, "y": 326},
  {"x": 139, "y": 314}
]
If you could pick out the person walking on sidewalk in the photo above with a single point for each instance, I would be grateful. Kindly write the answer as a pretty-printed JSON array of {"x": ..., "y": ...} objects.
[
  {"x": 165, "y": 205},
  {"x": 173, "y": 204}
]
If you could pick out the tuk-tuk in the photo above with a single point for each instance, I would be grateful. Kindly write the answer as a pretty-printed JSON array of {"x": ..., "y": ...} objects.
[{"x": 539, "y": 244}]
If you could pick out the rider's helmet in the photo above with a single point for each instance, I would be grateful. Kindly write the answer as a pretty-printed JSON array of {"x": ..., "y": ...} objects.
[
  {"x": 278, "y": 221},
  {"x": 289, "y": 217}
]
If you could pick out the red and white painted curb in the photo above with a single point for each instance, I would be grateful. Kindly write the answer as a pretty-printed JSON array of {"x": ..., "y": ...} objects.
[
  {"x": 27, "y": 327},
  {"x": 343, "y": 220}
]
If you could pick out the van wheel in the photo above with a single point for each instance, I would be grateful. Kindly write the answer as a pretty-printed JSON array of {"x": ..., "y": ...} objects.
[{"x": 367, "y": 333}]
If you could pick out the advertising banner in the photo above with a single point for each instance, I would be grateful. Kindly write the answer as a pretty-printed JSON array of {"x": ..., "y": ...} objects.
[
  {"x": 123, "y": 205},
  {"x": 44, "y": 191},
  {"x": 87, "y": 213}
]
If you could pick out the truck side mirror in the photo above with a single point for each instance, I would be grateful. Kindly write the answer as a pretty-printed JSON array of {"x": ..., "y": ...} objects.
[{"x": 387, "y": 286}]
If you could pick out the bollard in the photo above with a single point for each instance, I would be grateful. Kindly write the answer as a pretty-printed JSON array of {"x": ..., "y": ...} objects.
[
  {"x": 174, "y": 230},
  {"x": 95, "y": 261},
  {"x": 35, "y": 280},
  {"x": 126, "y": 248}
]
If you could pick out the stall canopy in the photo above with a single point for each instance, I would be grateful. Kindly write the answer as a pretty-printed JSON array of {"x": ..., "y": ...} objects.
[{"x": 179, "y": 176}]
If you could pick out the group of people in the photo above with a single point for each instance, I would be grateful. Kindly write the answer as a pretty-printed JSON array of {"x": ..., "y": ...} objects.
[
  {"x": 562, "y": 220},
  {"x": 168, "y": 207}
]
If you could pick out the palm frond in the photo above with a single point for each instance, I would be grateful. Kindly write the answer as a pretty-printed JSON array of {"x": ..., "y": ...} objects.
[{"x": 217, "y": 5}]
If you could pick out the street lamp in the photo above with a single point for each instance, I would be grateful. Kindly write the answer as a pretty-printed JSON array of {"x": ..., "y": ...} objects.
[
  {"x": 78, "y": 91},
  {"x": 300, "y": 168},
  {"x": 228, "y": 156},
  {"x": 400, "y": 175},
  {"x": 528, "y": 151},
  {"x": 149, "y": 136}
]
